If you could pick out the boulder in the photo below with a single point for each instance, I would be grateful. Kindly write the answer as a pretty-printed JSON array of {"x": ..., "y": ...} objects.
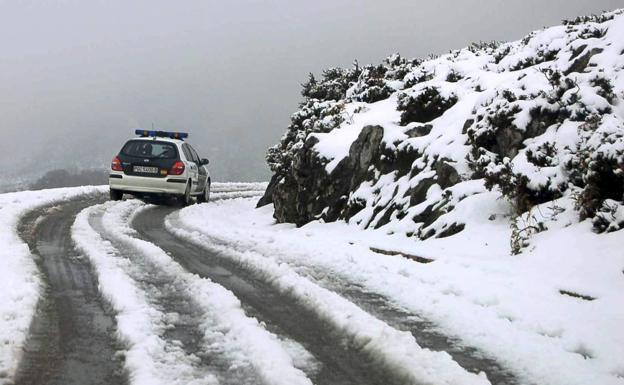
[
  {"x": 418, "y": 131},
  {"x": 267, "y": 197}
]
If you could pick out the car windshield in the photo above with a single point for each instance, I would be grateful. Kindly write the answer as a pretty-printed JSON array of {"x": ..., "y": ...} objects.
[{"x": 149, "y": 149}]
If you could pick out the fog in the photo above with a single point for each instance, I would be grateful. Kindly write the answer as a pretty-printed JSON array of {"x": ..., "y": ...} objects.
[{"x": 77, "y": 77}]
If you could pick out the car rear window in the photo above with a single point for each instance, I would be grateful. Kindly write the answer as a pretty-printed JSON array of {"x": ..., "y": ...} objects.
[{"x": 150, "y": 149}]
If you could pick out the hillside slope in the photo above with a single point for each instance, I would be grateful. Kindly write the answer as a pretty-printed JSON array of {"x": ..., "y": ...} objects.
[{"x": 413, "y": 146}]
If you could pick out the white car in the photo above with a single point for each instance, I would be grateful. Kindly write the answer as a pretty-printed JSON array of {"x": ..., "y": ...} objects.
[{"x": 159, "y": 163}]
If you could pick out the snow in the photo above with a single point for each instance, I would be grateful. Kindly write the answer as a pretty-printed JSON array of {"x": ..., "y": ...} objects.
[
  {"x": 335, "y": 145},
  {"x": 302, "y": 358},
  {"x": 20, "y": 281},
  {"x": 552, "y": 314},
  {"x": 516, "y": 309},
  {"x": 513, "y": 90},
  {"x": 395, "y": 350},
  {"x": 150, "y": 359},
  {"x": 237, "y": 186}
]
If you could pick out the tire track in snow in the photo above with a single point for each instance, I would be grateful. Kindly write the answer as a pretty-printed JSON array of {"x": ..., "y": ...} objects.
[
  {"x": 226, "y": 341},
  {"x": 340, "y": 364},
  {"x": 424, "y": 331},
  {"x": 150, "y": 359},
  {"x": 176, "y": 321},
  {"x": 71, "y": 339},
  {"x": 370, "y": 349}
]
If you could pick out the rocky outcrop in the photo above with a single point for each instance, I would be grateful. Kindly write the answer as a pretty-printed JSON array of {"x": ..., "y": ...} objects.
[
  {"x": 309, "y": 192},
  {"x": 431, "y": 133}
]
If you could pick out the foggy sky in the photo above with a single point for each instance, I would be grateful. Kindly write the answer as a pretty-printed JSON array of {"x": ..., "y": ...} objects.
[{"x": 77, "y": 76}]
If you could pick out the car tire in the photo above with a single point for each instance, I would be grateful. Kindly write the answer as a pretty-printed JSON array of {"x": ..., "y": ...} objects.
[
  {"x": 116, "y": 195},
  {"x": 205, "y": 195},
  {"x": 186, "y": 199}
]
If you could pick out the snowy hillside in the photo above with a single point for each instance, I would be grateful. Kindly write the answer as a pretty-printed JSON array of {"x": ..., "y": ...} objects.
[
  {"x": 427, "y": 147},
  {"x": 482, "y": 189}
]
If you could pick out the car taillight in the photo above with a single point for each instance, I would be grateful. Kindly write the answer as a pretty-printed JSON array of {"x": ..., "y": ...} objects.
[
  {"x": 177, "y": 169},
  {"x": 116, "y": 164}
]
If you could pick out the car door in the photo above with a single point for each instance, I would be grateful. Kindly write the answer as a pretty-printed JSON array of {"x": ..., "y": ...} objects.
[
  {"x": 202, "y": 175},
  {"x": 193, "y": 167}
]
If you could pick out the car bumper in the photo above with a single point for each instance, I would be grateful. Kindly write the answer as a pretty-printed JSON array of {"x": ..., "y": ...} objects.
[{"x": 147, "y": 185}]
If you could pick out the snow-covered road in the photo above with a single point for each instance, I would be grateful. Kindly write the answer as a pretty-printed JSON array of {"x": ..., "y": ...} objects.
[
  {"x": 72, "y": 339},
  {"x": 131, "y": 294}
]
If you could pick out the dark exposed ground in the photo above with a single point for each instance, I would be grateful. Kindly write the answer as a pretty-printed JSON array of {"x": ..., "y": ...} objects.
[{"x": 71, "y": 341}]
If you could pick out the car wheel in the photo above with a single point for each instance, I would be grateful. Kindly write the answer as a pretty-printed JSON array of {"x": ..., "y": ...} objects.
[
  {"x": 116, "y": 195},
  {"x": 186, "y": 198},
  {"x": 205, "y": 196}
]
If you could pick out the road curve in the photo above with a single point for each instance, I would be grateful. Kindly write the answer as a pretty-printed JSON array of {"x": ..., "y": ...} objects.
[
  {"x": 72, "y": 338},
  {"x": 189, "y": 358},
  {"x": 341, "y": 364},
  {"x": 423, "y": 331}
]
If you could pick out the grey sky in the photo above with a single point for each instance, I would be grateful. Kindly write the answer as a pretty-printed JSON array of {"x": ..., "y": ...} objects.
[{"x": 77, "y": 76}]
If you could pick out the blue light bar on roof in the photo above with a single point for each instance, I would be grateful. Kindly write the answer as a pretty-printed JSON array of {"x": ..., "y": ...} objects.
[{"x": 162, "y": 134}]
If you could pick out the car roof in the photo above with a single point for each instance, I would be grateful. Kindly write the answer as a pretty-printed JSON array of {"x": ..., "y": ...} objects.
[{"x": 159, "y": 139}]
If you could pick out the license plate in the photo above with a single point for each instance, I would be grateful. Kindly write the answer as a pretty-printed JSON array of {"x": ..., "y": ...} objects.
[{"x": 145, "y": 169}]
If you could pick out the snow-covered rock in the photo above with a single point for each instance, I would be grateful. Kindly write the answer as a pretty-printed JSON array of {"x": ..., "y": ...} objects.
[{"x": 399, "y": 145}]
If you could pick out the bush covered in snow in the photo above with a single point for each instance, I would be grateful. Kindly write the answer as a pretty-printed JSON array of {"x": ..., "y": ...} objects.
[
  {"x": 401, "y": 144},
  {"x": 424, "y": 107}
]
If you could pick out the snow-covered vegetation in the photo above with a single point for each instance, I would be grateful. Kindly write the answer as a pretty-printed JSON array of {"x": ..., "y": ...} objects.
[
  {"x": 499, "y": 167},
  {"x": 404, "y": 145}
]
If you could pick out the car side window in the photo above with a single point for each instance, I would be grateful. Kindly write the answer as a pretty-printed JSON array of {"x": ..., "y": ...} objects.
[
  {"x": 194, "y": 154},
  {"x": 187, "y": 153}
]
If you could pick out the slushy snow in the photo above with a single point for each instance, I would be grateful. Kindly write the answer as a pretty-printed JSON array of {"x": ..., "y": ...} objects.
[
  {"x": 396, "y": 350},
  {"x": 520, "y": 310},
  {"x": 227, "y": 330},
  {"x": 20, "y": 281}
]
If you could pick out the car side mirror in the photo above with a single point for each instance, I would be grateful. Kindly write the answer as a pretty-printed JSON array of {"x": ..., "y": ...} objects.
[{"x": 204, "y": 161}]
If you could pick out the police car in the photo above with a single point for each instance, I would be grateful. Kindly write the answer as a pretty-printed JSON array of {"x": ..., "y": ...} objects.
[{"x": 160, "y": 163}]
